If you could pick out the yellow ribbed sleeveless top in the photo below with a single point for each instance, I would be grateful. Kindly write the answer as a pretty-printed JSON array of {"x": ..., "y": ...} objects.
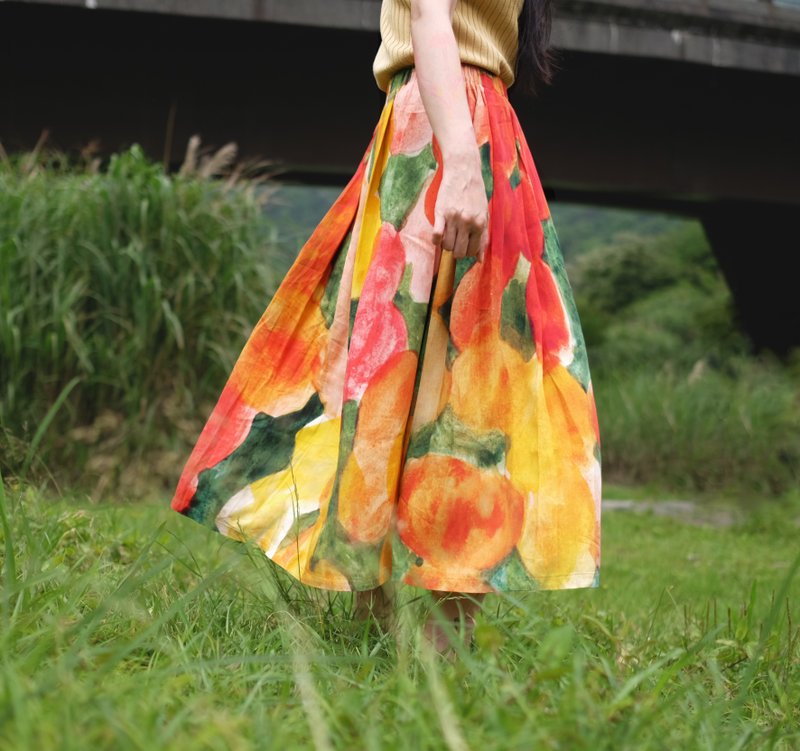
[{"x": 485, "y": 30}]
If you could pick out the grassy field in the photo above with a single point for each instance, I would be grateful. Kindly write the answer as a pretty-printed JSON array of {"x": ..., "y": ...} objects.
[{"x": 127, "y": 626}]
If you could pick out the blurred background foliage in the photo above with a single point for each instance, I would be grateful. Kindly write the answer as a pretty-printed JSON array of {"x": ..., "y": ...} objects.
[{"x": 126, "y": 295}]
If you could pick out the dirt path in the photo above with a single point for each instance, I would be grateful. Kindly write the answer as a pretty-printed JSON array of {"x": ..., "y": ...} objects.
[{"x": 691, "y": 512}]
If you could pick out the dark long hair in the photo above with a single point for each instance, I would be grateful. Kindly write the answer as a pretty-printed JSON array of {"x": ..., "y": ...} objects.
[{"x": 536, "y": 60}]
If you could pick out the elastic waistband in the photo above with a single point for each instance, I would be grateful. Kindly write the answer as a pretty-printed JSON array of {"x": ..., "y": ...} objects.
[{"x": 473, "y": 75}]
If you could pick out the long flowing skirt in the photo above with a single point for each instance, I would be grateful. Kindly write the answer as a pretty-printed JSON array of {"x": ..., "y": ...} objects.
[{"x": 399, "y": 414}]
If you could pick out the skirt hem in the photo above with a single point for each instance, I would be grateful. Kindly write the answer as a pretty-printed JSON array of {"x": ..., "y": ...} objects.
[{"x": 466, "y": 586}]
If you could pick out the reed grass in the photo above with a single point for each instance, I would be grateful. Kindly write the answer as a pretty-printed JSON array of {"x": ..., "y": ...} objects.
[
  {"x": 704, "y": 430},
  {"x": 125, "y": 295}
]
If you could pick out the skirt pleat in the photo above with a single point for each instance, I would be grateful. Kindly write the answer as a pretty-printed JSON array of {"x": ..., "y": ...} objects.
[{"x": 400, "y": 414}]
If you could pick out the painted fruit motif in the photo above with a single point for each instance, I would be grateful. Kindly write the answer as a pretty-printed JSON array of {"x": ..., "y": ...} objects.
[
  {"x": 450, "y": 510},
  {"x": 369, "y": 479}
]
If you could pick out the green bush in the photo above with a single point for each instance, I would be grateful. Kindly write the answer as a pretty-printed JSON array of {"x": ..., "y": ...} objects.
[
  {"x": 127, "y": 291},
  {"x": 677, "y": 324}
]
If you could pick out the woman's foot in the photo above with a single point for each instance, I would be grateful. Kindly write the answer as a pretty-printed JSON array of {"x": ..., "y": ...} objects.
[{"x": 454, "y": 607}]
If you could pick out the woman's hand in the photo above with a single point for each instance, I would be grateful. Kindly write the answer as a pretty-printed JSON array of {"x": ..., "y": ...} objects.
[{"x": 461, "y": 211}]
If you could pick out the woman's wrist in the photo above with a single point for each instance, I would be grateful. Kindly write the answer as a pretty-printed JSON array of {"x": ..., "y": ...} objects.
[{"x": 461, "y": 152}]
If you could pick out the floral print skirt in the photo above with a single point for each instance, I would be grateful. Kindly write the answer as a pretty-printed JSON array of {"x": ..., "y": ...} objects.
[{"x": 400, "y": 414}]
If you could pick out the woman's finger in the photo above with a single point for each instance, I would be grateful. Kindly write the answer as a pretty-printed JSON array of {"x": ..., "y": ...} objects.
[
  {"x": 449, "y": 236},
  {"x": 474, "y": 246},
  {"x": 484, "y": 243},
  {"x": 462, "y": 242},
  {"x": 438, "y": 228}
]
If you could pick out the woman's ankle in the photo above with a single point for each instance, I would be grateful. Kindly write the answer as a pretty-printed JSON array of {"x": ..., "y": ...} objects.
[
  {"x": 455, "y": 609},
  {"x": 378, "y": 602},
  {"x": 454, "y": 605}
]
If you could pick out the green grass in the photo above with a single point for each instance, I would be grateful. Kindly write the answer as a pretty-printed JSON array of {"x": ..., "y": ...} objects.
[
  {"x": 131, "y": 627},
  {"x": 705, "y": 431}
]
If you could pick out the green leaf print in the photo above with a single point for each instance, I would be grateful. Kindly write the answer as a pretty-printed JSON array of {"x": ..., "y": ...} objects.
[
  {"x": 353, "y": 310},
  {"x": 511, "y": 574},
  {"x": 267, "y": 449},
  {"x": 402, "y": 182},
  {"x": 515, "y": 178},
  {"x": 515, "y": 325},
  {"x": 358, "y": 562},
  {"x": 413, "y": 312},
  {"x": 448, "y": 435},
  {"x": 486, "y": 170},
  {"x": 452, "y": 353},
  {"x": 463, "y": 265},
  {"x": 554, "y": 258},
  {"x": 403, "y": 558},
  {"x": 328, "y": 302},
  {"x": 452, "y": 350},
  {"x": 399, "y": 79},
  {"x": 300, "y": 525}
]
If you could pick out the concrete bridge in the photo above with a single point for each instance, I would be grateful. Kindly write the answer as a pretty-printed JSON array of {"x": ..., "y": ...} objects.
[{"x": 687, "y": 106}]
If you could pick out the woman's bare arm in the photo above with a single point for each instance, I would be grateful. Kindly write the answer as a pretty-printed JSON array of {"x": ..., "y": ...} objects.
[{"x": 461, "y": 207}]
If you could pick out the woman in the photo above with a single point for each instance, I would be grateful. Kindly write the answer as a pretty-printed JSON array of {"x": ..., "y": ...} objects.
[{"x": 415, "y": 404}]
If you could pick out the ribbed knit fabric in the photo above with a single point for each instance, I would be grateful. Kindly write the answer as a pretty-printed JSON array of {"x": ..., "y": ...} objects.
[{"x": 485, "y": 30}]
